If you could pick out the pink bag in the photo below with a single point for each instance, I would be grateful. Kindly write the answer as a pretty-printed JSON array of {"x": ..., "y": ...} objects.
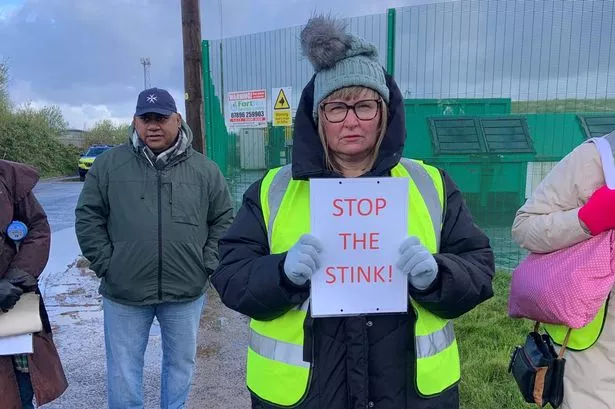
[
  {"x": 565, "y": 287},
  {"x": 568, "y": 287}
]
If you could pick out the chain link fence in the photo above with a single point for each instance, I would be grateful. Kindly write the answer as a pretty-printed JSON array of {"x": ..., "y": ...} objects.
[{"x": 496, "y": 93}]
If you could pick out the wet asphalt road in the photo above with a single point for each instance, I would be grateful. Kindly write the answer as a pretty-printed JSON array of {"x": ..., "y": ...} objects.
[{"x": 59, "y": 198}]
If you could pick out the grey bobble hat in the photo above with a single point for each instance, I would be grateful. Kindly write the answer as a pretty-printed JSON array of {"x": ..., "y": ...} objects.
[{"x": 340, "y": 60}]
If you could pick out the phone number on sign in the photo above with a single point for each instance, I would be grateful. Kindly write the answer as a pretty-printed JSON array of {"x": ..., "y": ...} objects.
[{"x": 249, "y": 114}]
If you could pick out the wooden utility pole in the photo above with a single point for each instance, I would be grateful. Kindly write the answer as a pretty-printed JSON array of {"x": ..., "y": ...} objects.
[{"x": 193, "y": 81}]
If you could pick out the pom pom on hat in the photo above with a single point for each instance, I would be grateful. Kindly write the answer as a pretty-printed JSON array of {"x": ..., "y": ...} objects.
[{"x": 324, "y": 42}]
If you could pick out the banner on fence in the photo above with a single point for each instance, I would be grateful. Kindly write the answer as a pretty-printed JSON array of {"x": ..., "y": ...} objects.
[{"x": 247, "y": 109}]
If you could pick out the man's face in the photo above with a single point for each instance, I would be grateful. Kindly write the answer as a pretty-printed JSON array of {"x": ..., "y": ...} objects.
[{"x": 157, "y": 131}]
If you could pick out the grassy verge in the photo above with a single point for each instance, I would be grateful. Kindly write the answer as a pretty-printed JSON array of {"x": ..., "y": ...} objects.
[
  {"x": 486, "y": 338},
  {"x": 564, "y": 105}
]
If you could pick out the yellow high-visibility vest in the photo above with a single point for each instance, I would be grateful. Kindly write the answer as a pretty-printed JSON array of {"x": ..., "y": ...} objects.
[
  {"x": 276, "y": 371},
  {"x": 581, "y": 338}
]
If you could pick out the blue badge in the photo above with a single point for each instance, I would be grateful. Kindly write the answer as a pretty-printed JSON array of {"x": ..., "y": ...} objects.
[{"x": 17, "y": 230}]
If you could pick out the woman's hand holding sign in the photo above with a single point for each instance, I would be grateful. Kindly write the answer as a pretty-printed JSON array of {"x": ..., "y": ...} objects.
[
  {"x": 418, "y": 263},
  {"x": 302, "y": 259}
]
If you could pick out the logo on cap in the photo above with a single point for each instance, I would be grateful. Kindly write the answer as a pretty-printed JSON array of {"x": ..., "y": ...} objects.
[{"x": 155, "y": 100}]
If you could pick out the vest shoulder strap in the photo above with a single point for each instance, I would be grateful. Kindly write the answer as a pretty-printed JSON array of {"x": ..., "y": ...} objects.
[
  {"x": 273, "y": 188},
  {"x": 611, "y": 138},
  {"x": 606, "y": 148},
  {"x": 433, "y": 197}
]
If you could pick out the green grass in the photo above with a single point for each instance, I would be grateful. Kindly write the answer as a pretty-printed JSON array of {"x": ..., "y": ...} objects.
[
  {"x": 486, "y": 337},
  {"x": 563, "y": 105}
]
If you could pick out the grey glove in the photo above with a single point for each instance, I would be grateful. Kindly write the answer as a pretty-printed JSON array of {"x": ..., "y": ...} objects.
[
  {"x": 9, "y": 295},
  {"x": 302, "y": 260},
  {"x": 418, "y": 263},
  {"x": 21, "y": 279}
]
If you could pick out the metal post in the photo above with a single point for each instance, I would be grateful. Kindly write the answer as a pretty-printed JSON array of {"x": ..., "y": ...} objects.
[{"x": 391, "y": 21}]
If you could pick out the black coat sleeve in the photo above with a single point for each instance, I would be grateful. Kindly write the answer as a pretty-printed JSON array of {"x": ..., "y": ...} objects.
[
  {"x": 466, "y": 264},
  {"x": 248, "y": 278}
]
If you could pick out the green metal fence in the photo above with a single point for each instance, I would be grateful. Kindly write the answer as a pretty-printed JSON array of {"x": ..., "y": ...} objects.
[{"x": 496, "y": 92}]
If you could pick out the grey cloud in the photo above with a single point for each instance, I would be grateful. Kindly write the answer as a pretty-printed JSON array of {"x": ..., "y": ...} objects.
[{"x": 88, "y": 51}]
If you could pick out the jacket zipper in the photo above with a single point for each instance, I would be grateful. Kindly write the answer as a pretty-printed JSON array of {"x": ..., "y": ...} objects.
[{"x": 159, "y": 176}]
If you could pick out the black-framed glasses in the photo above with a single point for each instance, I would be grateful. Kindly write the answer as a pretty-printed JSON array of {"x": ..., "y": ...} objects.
[{"x": 365, "y": 110}]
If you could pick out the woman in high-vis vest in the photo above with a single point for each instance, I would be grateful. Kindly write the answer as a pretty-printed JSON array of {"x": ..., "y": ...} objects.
[
  {"x": 570, "y": 205},
  {"x": 350, "y": 123}
]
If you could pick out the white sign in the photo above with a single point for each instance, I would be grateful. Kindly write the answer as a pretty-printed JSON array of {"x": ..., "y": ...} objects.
[
  {"x": 280, "y": 106},
  {"x": 16, "y": 344},
  {"x": 247, "y": 109},
  {"x": 361, "y": 223}
]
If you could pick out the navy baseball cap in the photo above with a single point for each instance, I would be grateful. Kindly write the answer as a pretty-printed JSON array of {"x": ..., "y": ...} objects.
[{"x": 155, "y": 100}]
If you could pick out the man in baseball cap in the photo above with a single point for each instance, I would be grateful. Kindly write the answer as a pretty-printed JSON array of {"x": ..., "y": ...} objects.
[{"x": 149, "y": 218}]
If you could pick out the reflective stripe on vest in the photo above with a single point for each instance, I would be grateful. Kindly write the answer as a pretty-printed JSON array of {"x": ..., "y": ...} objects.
[
  {"x": 431, "y": 344},
  {"x": 276, "y": 371},
  {"x": 285, "y": 352}
]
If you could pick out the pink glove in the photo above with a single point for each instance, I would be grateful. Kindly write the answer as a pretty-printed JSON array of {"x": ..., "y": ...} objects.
[{"x": 598, "y": 213}]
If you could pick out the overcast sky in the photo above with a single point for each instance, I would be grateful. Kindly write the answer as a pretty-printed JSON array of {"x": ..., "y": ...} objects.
[{"x": 83, "y": 55}]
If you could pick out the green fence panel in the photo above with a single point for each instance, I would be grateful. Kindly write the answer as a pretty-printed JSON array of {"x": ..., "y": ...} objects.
[{"x": 531, "y": 75}]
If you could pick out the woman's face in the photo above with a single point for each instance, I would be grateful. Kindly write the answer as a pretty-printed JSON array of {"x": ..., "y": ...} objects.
[{"x": 351, "y": 133}]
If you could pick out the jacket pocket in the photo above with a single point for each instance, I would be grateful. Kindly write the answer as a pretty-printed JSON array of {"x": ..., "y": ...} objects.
[
  {"x": 132, "y": 273},
  {"x": 101, "y": 265},
  {"x": 186, "y": 206},
  {"x": 102, "y": 270}
]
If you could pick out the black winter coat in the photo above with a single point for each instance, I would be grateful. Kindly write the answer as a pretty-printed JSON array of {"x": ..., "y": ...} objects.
[{"x": 363, "y": 361}]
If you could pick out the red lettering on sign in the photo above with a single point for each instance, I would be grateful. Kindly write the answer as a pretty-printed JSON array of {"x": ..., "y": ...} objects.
[
  {"x": 362, "y": 207},
  {"x": 359, "y": 274},
  {"x": 330, "y": 271},
  {"x": 361, "y": 241}
]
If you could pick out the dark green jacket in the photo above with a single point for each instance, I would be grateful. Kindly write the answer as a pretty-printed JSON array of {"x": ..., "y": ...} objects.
[{"x": 152, "y": 234}]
